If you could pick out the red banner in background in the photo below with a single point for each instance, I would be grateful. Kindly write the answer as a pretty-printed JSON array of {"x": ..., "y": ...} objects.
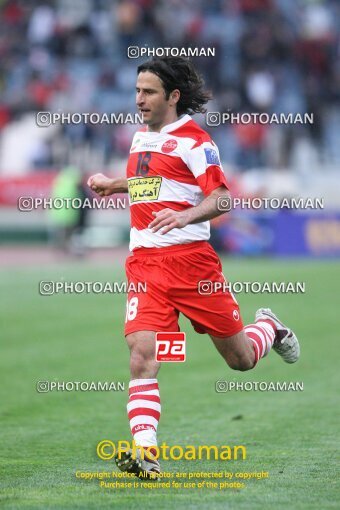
[{"x": 32, "y": 185}]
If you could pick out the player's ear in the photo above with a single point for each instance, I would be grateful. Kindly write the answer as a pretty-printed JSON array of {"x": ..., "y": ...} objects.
[{"x": 174, "y": 97}]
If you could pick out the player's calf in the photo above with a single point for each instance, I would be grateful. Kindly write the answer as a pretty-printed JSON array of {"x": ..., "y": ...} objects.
[
  {"x": 236, "y": 350},
  {"x": 142, "y": 354}
]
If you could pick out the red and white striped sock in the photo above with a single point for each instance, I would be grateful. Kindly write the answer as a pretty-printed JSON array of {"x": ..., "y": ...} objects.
[
  {"x": 144, "y": 411},
  {"x": 262, "y": 334}
]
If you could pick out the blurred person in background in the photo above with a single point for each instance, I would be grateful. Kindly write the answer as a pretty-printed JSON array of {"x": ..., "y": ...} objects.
[{"x": 68, "y": 222}]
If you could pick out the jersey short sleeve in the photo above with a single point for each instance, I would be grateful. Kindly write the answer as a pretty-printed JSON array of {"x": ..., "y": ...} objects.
[{"x": 203, "y": 160}]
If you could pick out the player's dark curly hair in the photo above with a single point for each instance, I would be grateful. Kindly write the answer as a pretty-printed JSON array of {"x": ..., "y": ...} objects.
[{"x": 179, "y": 73}]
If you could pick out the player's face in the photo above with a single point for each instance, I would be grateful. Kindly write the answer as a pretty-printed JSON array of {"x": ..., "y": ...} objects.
[{"x": 151, "y": 100}]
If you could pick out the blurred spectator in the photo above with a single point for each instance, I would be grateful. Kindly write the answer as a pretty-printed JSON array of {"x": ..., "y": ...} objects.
[{"x": 41, "y": 25}]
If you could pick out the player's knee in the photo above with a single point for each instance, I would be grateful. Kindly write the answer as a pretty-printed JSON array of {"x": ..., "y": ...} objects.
[
  {"x": 241, "y": 364},
  {"x": 142, "y": 366}
]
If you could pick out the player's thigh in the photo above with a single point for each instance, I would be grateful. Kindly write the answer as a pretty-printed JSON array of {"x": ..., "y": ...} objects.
[
  {"x": 201, "y": 293},
  {"x": 150, "y": 309},
  {"x": 237, "y": 350}
]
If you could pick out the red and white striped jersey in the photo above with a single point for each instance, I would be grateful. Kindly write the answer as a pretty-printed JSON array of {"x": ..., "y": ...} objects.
[{"x": 172, "y": 169}]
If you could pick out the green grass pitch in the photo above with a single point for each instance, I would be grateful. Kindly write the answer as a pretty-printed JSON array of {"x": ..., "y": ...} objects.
[{"x": 46, "y": 438}]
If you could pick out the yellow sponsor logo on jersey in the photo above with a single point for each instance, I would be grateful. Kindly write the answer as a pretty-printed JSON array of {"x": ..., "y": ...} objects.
[{"x": 142, "y": 189}]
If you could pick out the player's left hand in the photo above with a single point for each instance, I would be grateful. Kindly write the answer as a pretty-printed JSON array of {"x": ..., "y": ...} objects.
[{"x": 167, "y": 219}]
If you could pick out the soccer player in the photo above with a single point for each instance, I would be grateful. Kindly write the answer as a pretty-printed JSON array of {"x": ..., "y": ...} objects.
[{"x": 174, "y": 180}]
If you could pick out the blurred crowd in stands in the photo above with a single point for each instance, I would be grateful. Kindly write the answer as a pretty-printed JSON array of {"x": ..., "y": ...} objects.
[{"x": 71, "y": 56}]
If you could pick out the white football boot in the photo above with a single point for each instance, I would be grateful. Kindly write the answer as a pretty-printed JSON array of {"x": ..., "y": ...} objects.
[
  {"x": 285, "y": 343},
  {"x": 146, "y": 468}
]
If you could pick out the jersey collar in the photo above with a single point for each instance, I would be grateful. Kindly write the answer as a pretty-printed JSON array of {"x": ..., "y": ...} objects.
[{"x": 177, "y": 124}]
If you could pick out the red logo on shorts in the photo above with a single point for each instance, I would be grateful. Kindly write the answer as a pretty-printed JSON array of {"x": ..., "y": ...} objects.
[
  {"x": 170, "y": 346},
  {"x": 169, "y": 146},
  {"x": 236, "y": 315}
]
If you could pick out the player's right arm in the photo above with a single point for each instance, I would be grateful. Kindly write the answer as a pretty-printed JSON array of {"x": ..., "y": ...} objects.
[{"x": 106, "y": 186}]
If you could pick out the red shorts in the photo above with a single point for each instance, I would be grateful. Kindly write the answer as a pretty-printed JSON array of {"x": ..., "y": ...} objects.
[{"x": 171, "y": 276}]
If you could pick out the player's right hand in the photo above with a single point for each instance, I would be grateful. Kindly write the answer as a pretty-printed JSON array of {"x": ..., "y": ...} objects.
[{"x": 101, "y": 184}]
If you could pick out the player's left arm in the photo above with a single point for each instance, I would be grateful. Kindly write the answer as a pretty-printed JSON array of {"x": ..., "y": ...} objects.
[{"x": 167, "y": 219}]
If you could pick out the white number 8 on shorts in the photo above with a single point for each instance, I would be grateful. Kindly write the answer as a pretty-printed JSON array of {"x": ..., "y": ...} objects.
[{"x": 131, "y": 309}]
